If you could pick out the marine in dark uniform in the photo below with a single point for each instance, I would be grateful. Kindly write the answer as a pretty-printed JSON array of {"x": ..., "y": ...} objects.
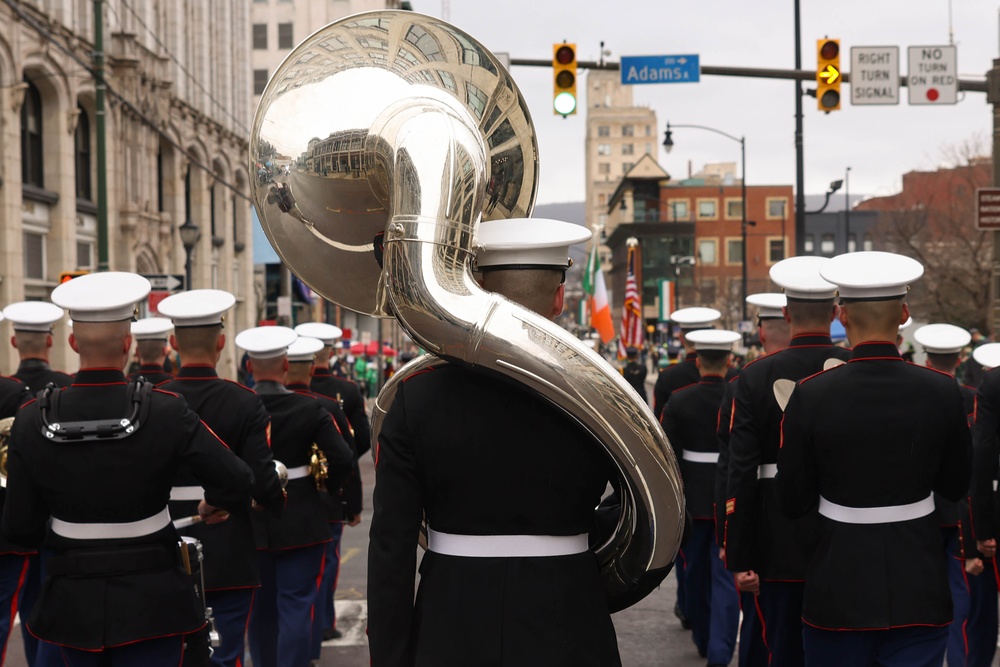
[
  {"x": 340, "y": 509},
  {"x": 151, "y": 335},
  {"x": 684, "y": 372},
  {"x": 13, "y": 557},
  {"x": 237, "y": 416},
  {"x": 867, "y": 444},
  {"x": 481, "y": 457},
  {"x": 291, "y": 549},
  {"x": 762, "y": 546},
  {"x": 690, "y": 420},
  {"x": 635, "y": 372},
  {"x": 114, "y": 588},
  {"x": 774, "y": 334}
]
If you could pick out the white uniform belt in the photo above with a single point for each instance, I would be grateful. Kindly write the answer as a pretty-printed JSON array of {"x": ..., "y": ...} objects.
[
  {"x": 700, "y": 457},
  {"x": 767, "y": 471},
  {"x": 298, "y": 472},
  {"x": 187, "y": 493},
  {"x": 111, "y": 531},
  {"x": 889, "y": 514},
  {"x": 506, "y": 546}
]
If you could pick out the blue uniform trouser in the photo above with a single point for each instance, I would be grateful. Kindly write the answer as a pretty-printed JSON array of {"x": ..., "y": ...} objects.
[
  {"x": 898, "y": 647},
  {"x": 679, "y": 567},
  {"x": 711, "y": 596},
  {"x": 13, "y": 571},
  {"x": 957, "y": 649},
  {"x": 29, "y": 593},
  {"x": 324, "y": 612},
  {"x": 753, "y": 651},
  {"x": 281, "y": 619},
  {"x": 162, "y": 652},
  {"x": 231, "y": 609},
  {"x": 981, "y": 625},
  {"x": 781, "y": 615},
  {"x": 725, "y": 611}
]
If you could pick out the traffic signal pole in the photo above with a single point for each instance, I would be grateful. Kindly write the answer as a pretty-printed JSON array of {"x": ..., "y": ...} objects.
[{"x": 993, "y": 97}]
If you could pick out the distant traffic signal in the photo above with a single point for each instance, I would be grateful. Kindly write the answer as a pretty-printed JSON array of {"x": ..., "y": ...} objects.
[
  {"x": 828, "y": 74},
  {"x": 564, "y": 79},
  {"x": 67, "y": 276}
]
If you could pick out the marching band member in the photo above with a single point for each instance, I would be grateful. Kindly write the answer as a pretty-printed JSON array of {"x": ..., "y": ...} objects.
[{"x": 151, "y": 335}]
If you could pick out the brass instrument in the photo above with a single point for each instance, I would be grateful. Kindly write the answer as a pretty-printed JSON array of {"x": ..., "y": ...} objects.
[
  {"x": 403, "y": 133},
  {"x": 5, "y": 425},
  {"x": 319, "y": 468}
]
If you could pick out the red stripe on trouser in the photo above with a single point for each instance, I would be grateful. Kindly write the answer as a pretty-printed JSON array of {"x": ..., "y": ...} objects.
[
  {"x": 319, "y": 583},
  {"x": 763, "y": 626}
]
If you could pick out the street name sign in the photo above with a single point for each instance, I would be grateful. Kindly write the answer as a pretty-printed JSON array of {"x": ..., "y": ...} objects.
[
  {"x": 660, "y": 69},
  {"x": 987, "y": 208},
  {"x": 932, "y": 76},
  {"x": 165, "y": 282},
  {"x": 874, "y": 75}
]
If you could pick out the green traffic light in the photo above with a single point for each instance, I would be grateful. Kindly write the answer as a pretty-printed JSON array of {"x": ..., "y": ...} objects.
[{"x": 564, "y": 103}]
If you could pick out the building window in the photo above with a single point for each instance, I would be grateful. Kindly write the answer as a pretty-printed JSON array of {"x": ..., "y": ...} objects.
[
  {"x": 259, "y": 81},
  {"x": 775, "y": 250},
  {"x": 84, "y": 255},
  {"x": 707, "y": 249},
  {"x": 734, "y": 251},
  {"x": 602, "y": 200},
  {"x": 734, "y": 209},
  {"x": 706, "y": 209},
  {"x": 34, "y": 256},
  {"x": 604, "y": 168},
  {"x": 827, "y": 245},
  {"x": 285, "y": 36},
  {"x": 776, "y": 207},
  {"x": 852, "y": 243},
  {"x": 649, "y": 130},
  {"x": 866, "y": 243},
  {"x": 627, "y": 167},
  {"x": 160, "y": 202},
  {"x": 604, "y": 149},
  {"x": 628, "y": 149},
  {"x": 82, "y": 149},
  {"x": 603, "y": 130},
  {"x": 32, "y": 171},
  {"x": 260, "y": 36},
  {"x": 808, "y": 246},
  {"x": 628, "y": 131},
  {"x": 678, "y": 209},
  {"x": 649, "y": 149}
]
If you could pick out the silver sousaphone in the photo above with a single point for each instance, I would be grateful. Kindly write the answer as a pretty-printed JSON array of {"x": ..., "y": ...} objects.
[{"x": 391, "y": 135}]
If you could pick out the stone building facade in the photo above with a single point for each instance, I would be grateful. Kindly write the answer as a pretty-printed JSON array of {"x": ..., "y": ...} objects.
[{"x": 177, "y": 117}]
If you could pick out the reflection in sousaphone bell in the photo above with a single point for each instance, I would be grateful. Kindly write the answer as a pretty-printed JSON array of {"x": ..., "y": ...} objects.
[
  {"x": 282, "y": 471},
  {"x": 5, "y": 425}
]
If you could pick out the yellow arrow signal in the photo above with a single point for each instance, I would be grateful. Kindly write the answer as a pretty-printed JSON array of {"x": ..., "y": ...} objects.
[{"x": 831, "y": 74}]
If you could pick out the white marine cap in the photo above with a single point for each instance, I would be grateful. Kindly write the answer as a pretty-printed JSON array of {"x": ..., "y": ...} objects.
[
  {"x": 799, "y": 278},
  {"x": 908, "y": 322},
  {"x": 304, "y": 348},
  {"x": 109, "y": 296},
  {"x": 152, "y": 328},
  {"x": 326, "y": 333},
  {"x": 987, "y": 355},
  {"x": 525, "y": 243},
  {"x": 769, "y": 305},
  {"x": 713, "y": 339},
  {"x": 197, "y": 307},
  {"x": 695, "y": 318},
  {"x": 872, "y": 275},
  {"x": 266, "y": 342},
  {"x": 33, "y": 315},
  {"x": 942, "y": 338}
]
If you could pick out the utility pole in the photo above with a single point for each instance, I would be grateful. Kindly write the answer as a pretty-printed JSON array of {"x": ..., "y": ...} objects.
[
  {"x": 993, "y": 97},
  {"x": 102, "y": 162},
  {"x": 800, "y": 160}
]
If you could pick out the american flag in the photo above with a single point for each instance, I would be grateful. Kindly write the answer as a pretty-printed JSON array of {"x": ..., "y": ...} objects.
[{"x": 632, "y": 325}]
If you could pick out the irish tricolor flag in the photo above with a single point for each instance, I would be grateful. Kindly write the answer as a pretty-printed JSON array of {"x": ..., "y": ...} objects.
[{"x": 600, "y": 310}]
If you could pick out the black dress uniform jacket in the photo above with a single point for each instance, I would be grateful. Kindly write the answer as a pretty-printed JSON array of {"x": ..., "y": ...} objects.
[
  {"x": 690, "y": 420},
  {"x": 481, "y": 456},
  {"x": 296, "y": 423},
  {"x": 13, "y": 394},
  {"x": 875, "y": 432},
  {"x": 759, "y": 536},
  {"x": 236, "y": 415},
  {"x": 635, "y": 375},
  {"x": 347, "y": 502},
  {"x": 152, "y": 372},
  {"x": 347, "y": 393},
  {"x": 673, "y": 378},
  {"x": 37, "y": 374},
  {"x": 102, "y": 593},
  {"x": 986, "y": 444},
  {"x": 722, "y": 468},
  {"x": 956, "y": 514}
]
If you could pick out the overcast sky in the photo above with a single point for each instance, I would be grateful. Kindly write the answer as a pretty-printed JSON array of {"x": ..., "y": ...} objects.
[{"x": 879, "y": 143}]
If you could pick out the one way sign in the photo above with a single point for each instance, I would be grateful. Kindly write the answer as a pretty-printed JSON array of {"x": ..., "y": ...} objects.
[{"x": 166, "y": 282}]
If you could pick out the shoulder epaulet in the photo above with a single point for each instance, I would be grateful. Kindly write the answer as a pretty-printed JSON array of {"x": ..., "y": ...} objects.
[
  {"x": 825, "y": 370},
  {"x": 241, "y": 386},
  {"x": 928, "y": 368},
  {"x": 157, "y": 389}
]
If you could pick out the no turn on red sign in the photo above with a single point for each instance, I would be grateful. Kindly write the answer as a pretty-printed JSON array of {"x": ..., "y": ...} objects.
[{"x": 932, "y": 77}]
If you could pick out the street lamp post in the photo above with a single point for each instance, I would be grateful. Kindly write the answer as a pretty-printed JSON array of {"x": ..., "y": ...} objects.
[
  {"x": 190, "y": 234},
  {"x": 847, "y": 210},
  {"x": 668, "y": 144}
]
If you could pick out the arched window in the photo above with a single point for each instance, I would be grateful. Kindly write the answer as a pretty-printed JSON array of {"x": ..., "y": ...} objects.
[
  {"x": 82, "y": 153},
  {"x": 32, "y": 171}
]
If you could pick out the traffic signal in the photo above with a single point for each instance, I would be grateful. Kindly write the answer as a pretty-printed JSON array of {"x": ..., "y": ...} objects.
[
  {"x": 67, "y": 276},
  {"x": 828, "y": 74},
  {"x": 564, "y": 79}
]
